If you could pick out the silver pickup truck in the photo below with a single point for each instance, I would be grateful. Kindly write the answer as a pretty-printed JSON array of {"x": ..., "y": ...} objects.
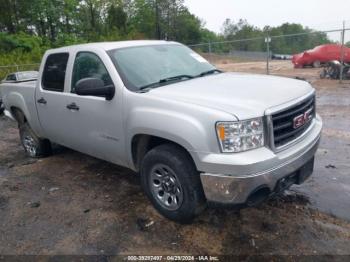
[{"x": 195, "y": 134}]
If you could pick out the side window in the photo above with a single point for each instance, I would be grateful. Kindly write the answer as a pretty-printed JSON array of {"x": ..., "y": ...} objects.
[
  {"x": 11, "y": 77},
  {"x": 55, "y": 72},
  {"x": 89, "y": 65}
]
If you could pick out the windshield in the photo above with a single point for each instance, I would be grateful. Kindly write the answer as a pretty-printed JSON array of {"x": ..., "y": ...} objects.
[{"x": 144, "y": 66}]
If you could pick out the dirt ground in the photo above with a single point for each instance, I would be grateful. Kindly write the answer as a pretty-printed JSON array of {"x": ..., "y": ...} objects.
[{"x": 70, "y": 203}]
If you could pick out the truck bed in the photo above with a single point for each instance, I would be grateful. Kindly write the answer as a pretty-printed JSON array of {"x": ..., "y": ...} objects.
[{"x": 20, "y": 95}]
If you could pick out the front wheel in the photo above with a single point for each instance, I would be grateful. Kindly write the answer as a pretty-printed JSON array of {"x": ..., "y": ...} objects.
[
  {"x": 33, "y": 145},
  {"x": 172, "y": 183}
]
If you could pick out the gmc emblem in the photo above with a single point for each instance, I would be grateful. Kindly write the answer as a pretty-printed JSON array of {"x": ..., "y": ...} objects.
[{"x": 301, "y": 120}]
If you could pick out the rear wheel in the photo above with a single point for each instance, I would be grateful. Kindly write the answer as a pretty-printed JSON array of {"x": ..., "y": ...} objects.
[
  {"x": 316, "y": 64},
  {"x": 2, "y": 108},
  {"x": 324, "y": 73},
  {"x": 172, "y": 183},
  {"x": 33, "y": 145}
]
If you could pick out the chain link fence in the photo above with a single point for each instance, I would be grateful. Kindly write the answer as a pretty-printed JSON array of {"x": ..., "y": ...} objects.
[{"x": 273, "y": 54}]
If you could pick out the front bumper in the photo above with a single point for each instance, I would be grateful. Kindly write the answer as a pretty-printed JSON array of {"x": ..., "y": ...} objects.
[{"x": 246, "y": 172}]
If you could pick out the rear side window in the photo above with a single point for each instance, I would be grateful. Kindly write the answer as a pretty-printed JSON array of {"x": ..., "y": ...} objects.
[
  {"x": 55, "y": 72},
  {"x": 11, "y": 77}
]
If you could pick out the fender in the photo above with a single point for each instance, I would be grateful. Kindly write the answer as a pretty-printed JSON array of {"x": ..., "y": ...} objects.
[
  {"x": 16, "y": 100},
  {"x": 183, "y": 129}
]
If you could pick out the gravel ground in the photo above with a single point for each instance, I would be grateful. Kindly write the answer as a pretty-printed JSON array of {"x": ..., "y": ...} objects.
[{"x": 70, "y": 203}]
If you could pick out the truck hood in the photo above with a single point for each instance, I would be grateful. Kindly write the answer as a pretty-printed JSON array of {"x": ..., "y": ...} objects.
[{"x": 242, "y": 95}]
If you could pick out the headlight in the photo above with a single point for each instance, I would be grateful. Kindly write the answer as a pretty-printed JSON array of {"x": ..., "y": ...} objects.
[{"x": 241, "y": 135}]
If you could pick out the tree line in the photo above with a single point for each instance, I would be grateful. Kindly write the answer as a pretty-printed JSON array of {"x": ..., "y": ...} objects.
[
  {"x": 28, "y": 28},
  {"x": 60, "y": 21}
]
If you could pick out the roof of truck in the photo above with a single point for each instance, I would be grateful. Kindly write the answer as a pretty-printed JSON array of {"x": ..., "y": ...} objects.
[{"x": 114, "y": 45}]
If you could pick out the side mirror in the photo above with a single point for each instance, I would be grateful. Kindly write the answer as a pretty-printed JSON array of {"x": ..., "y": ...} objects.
[{"x": 94, "y": 87}]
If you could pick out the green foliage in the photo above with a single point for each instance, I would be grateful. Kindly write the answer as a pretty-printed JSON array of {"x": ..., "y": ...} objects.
[
  {"x": 348, "y": 44},
  {"x": 282, "y": 42},
  {"x": 65, "y": 39},
  {"x": 20, "y": 49},
  {"x": 116, "y": 18},
  {"x": 20, "y": 41},
  {"x": 97, "y": 20},
  {"x": 28, "y": 28},
  {"x": 285, "y": 44},
  {"x": 142, "y": 19}
]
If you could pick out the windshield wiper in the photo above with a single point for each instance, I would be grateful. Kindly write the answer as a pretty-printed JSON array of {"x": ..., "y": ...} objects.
[
  {"x": 209, "y": 72},
  {"x": 165, "y": 80},
  {"x": 174, "y": 78}
]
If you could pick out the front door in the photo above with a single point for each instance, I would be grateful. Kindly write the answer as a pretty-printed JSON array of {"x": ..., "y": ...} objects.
[{"x": 95, "y": 123}]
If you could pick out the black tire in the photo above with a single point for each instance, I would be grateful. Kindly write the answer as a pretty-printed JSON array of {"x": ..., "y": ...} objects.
[
  {"x": 175, "y": 160},
  {"x": 2, "y": 108},
  {"x": 34, "y": 146}
]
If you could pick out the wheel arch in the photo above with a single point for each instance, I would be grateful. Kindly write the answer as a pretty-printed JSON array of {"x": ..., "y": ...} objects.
[
  {"x": 143, "y": 143},
  {"x": 16, "y": 103},
  {"x": 18, "y": 115}
]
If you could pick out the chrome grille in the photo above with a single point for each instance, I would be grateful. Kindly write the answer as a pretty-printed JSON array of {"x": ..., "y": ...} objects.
[{"x": 283, "y": 122}]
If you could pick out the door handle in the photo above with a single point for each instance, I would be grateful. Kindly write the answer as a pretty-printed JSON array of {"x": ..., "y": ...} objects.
[
  {"x": 73, "y": 106},
  {"x": 42, "y": 101}
]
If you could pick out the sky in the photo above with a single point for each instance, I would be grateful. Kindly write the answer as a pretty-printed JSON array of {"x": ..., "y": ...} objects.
[{"x": 316, "y": 14}]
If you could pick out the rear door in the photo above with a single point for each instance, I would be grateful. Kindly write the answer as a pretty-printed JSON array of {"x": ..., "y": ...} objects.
[{"x": 50, "y": 97}]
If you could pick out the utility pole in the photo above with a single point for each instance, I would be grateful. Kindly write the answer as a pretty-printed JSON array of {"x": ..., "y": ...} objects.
[
  {"x": 209, "y": 49},
  {"x": 342, "y": 54},
  {"x": 267, "y": 41}
]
